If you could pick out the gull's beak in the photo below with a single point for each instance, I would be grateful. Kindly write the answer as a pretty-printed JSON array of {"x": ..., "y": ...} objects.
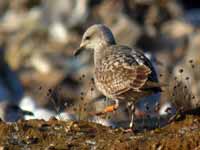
[{"x": 78, "y": 51}]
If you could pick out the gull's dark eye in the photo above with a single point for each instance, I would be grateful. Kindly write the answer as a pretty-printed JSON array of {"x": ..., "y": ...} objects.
[{"x": 87, "y": 37}]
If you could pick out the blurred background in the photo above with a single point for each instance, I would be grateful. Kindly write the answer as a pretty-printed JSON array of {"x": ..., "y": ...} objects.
[{"x": 37, "y": 38}]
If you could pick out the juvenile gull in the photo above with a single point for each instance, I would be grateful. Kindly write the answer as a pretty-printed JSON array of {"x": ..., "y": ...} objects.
[{"x": 120, "y": 72}]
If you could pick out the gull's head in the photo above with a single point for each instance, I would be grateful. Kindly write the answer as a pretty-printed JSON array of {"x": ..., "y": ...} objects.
[{"x": 96, "y": 37}]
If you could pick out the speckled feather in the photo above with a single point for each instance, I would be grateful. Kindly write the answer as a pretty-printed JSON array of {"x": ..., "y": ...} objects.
[
  {"x": 123, "y": 73},
  {"x": 120, "y": 72}
]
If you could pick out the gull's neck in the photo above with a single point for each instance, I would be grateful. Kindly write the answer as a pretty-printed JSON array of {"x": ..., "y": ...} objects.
[
  {"x": 100, "y": 52},
  {"x": 101, "y": 49}
]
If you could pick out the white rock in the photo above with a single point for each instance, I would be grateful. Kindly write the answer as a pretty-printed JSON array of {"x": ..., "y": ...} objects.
[
  {"x": 102, "y": 121},
  {"x": 58, "y": 32},
  {"x": 167, "y": 109},
  {"x": 41, "y": 113},
  {"x": 66, "y": 116},
  {"x": 40, "y": 63},
  {"x": 28, "y": 103}
]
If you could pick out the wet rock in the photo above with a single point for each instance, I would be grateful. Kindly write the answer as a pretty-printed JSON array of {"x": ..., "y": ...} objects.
[{"x": 10, "y": 112}]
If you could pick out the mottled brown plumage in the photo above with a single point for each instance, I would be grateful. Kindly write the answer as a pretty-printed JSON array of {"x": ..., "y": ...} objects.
[
  {"x": 116, "y": 75},
  {"x": 121, "y": 72}
]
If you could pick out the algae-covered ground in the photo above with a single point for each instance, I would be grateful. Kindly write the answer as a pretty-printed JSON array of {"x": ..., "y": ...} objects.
[{"x": 59, "y": 135}]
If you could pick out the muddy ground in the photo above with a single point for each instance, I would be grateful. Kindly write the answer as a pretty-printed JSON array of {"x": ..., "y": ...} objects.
[{"x": 58, "y": 135}]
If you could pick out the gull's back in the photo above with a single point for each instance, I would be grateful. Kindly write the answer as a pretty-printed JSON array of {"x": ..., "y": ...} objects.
[{"x": 125, "y": 73}]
